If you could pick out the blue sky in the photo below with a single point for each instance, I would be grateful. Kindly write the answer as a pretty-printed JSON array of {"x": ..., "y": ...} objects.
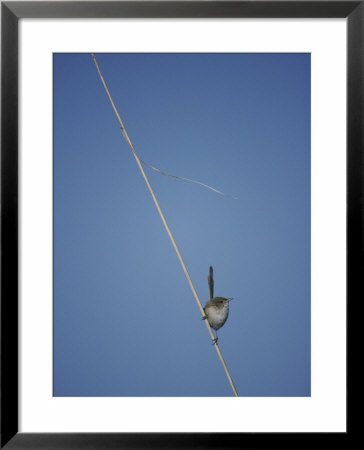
[{"x": 125, "y": 320}]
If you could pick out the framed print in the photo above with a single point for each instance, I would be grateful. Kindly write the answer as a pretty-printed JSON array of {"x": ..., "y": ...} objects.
[{"x": 231, "y": 130}]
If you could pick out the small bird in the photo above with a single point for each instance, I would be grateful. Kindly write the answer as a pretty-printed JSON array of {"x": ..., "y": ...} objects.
[
  {"x": 217, "y": 308},
  {"x": 216, "y": 312}
]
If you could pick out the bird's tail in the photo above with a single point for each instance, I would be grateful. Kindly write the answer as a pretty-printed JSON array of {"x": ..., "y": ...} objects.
[{"x": 210, "y": 280}]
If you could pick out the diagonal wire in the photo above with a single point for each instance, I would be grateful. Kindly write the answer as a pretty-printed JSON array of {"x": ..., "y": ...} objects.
[{"x": 126, "y": 137}]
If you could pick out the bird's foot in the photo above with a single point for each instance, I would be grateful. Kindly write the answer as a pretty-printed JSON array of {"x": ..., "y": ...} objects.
[
  {"x": 204, "y": 317},
  {"x": 214, "y": 341}
]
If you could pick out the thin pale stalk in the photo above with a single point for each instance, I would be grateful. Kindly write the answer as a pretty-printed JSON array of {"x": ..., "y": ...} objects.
[{"x": 125, "y": 134}]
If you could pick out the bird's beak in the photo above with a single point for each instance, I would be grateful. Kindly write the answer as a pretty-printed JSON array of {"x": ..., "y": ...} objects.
[{"x": 230, "y": 298}]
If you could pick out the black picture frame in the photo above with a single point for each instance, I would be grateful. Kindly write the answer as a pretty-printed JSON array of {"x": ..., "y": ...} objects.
[{"x": 11, "y": 12}]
